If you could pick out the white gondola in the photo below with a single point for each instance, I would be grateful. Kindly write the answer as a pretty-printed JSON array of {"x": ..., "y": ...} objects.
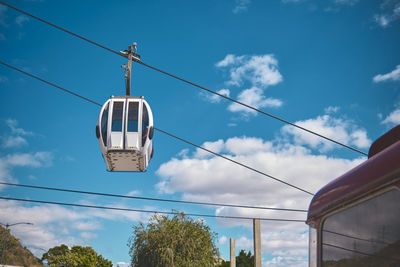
[{"x": 125, "y": 131}]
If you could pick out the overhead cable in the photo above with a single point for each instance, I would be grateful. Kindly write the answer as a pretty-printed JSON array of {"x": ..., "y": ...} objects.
[
  {"x": 147, "y": 211},
  {"x": 174, "y": 136},
  {"x": 187, "y": 81},
  {"x": 148, "y": 198}
]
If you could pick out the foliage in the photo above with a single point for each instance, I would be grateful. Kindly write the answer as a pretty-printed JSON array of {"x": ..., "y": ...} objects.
[
  {"x": 14, "y": 253},
  {"x": 179, "y": 241},
  {"x": 74, "y": 257},
  {"x": 242, "y": 260}
]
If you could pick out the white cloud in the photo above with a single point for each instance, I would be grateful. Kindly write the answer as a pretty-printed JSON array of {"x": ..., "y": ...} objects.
[
  {"x": 215, "y": 98},
  {"x": 259, "y": 70},
  {"x": 88, "y": 235},
  {"x": 121, "y": 264},
  {"x": 213, "y": 179},
  {"x": 338, "y": 129},
  {"x": 222, "y": 240},
  {"x": 331, "y": 110},
  {"x": 393, "y": 117},
  {"x": 14, "y": 141},
  {"x": 390, "y": 14},
  {"x": 216, "y": 147},
  {"x": 394, "y": 75},
  {"x": 37, "y": 159},
  {"x": 13, "y": 125},
  {"x": 241, "y": 6},
  {"x": 54, "y": 225},
  {"x": 253, "y": 97},
  {"x": 21, "y": 19}
]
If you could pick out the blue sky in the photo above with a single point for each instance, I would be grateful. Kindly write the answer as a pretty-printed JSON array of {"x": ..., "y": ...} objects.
[{"x": 331, "y": 66}]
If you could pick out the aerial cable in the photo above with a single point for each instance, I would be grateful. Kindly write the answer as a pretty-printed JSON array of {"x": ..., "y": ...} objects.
[
  {"x": 186, "y": 81},
  {"x": 50, "y": 83},
  {"x": 149, "y": 198},
  {"x": 174, "y": 136},
  {"x": 147, "y": 211}
]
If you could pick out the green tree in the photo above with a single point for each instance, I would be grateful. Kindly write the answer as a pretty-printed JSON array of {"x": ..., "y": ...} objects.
[
  {"x": 242, "y": 260},
  {"x": 77, "y": 256},
  {"x": 179, "y": 241}
]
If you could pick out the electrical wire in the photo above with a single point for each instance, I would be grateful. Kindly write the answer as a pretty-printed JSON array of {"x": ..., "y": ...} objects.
[
  {"x": 186, "y": 81},
  {"x": 147, "y": 211},
  {"x": 148, "y": 198},
  {"x": 174, "y": 136},
  {"x": 50, "y": 83}
]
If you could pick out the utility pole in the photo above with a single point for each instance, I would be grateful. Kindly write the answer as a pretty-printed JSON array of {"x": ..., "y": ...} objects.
[
  {"x": 5, "y": 238},
  {"x": 131, "y": 55},
  {"x": 257, "y": 242},
  {"x": 233, "y": 252}
]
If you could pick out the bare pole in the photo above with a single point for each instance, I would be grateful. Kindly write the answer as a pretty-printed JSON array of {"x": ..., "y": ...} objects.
[
  {"x": 257, "y": 242},
  {"x": 233, "y": 253}
]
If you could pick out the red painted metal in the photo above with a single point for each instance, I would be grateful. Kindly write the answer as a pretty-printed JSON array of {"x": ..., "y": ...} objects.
[{"x": 381, "y": 170}]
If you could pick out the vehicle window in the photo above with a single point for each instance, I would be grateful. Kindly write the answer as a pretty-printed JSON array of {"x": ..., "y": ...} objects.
[
  {"x": 118, "y": 110},
  {"x": 145, "y": 123},
  {"x": 104, "y": 122},
  {"x": 133, "y": 114},
  {"x": 367, "y": 234}
]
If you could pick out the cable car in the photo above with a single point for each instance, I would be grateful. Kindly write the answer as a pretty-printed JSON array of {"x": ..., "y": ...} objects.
[
  {"x": 125, "y": 132},
  {"x": 125, "y": 127}
]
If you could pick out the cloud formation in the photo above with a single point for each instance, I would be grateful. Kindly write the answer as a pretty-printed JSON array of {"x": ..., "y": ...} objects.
[
  {"x": 394, "y": 75},
  {"x": 21, "y": 19},
  {"x": 203, "y": 177},
  {"x": 241, "y": 6},
  {"x": 253, "y": 97},
  {"x": 215, "y": 98},
  {"x": 339, "y": 129},
  {"x": 390, "y": 13},
  {"x": 393, "y": 118},
  {"x": 259, "y": 72}
]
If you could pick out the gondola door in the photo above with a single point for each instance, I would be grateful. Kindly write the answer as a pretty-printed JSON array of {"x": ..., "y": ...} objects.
[
  {"x": 117, "y": 124},
  {"x": 133, "y": 129}
]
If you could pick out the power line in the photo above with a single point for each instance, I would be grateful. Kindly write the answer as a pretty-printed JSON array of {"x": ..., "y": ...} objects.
[
  {"x": 174, "y": 136},
  {"x": 148, "y": 198},
  {"x": 187, "y": 81},
  {"x": 147, "y": 211},
  {"x": 50, "y": 83}
]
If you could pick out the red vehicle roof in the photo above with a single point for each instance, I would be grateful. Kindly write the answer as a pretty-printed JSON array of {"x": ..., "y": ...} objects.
[{"x": 382, "y": 168}]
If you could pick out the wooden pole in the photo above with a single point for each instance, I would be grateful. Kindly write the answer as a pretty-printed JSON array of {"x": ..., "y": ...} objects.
[
  {"x": 257, "y": 242},
  {"x": 233, "y": 253}
]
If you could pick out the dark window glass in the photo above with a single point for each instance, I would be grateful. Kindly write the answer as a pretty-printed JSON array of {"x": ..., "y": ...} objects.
[
  {"x": 133, "y": 114},
  {"x": 367, "y": 234},
  {"x": 104, "y": 122},
  {"x": 145, "y": 123},
  {"x": 118, "y": 110}
]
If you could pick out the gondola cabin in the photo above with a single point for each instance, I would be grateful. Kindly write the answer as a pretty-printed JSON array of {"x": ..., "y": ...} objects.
[{"x": 125, "y": 131}]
